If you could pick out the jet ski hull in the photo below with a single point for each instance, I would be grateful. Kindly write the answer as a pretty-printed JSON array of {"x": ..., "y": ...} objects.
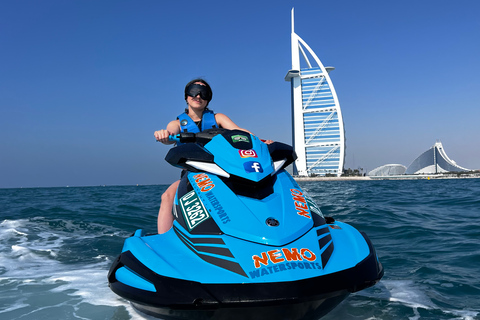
[
  {"x": 288, "y": 311},
  {"x": 246, "y": 243},
  {"x": 309, "y": 298}
]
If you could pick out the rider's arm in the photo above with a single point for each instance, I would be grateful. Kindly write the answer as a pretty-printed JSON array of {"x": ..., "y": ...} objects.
[
  {"x": 173, "y": 128},
  {"x": 225, "y": 122}
]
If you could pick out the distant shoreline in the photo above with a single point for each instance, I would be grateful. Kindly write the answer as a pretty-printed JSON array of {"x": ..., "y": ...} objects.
[
  {"x": 398, "y": 177},
  {"x": 353, "y": 178},
  {"x": 475, "y": 175}
]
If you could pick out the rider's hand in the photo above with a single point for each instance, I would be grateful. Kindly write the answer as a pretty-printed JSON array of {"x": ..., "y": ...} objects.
[
  {"x": 267, "y": 141},
  {"x": 162, "y": 136}
]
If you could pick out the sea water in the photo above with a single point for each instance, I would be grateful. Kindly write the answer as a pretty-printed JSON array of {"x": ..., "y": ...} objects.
[{"x": 57, "y": 244}]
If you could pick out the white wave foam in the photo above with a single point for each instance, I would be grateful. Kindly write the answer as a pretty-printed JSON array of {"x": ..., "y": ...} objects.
[
  {"x": 9, "y": 229},
  {"x": 409, "y": 293},
  {"x": 18, "y": 305},
  {"x": 413, "y": 295},
  {"x": 28, "y": 259},
  {"x": 90, "y": 283}
]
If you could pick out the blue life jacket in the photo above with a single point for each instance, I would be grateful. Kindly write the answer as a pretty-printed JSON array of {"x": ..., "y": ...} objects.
[{"x": 188, "y": 125}]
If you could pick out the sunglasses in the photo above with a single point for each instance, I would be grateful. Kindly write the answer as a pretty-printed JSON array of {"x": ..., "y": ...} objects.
[{"x": 197, "y": 89}]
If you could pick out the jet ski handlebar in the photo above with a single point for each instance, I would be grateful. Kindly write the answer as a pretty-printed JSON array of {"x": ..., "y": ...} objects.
[
  {"x": 182, "y": 137},
  {"x": 200, "y": 137}
]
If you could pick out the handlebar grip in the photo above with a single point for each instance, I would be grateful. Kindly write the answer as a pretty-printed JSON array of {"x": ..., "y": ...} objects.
[
  {"x": 174, "y": 137},
  {"x": 182, "y": 137}
]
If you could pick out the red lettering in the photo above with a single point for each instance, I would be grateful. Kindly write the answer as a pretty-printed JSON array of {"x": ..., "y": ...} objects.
[
  {"x": 291, "y": 255},
  {"x": 207, "y": 188},
  {"x": 310, "y": 257},
  {"x": 275, "y": 256},
  {"x": 303, "y": 212},
  {"x": 263, "y": 260},
  {"x": 301, "y": 205},
  {"x": 296, "y": 192},
  {"x": 197, "y": 176},
  {"x": 299, "y": 199},
  {"x": 203, "y": 182}
]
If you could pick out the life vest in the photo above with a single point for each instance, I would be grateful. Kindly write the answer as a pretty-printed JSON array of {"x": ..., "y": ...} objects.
[{"x": 188, "y": 125}]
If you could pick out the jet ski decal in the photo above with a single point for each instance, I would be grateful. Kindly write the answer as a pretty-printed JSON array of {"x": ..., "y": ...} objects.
[
  {"x": 325, "y": 243},
  {"x": 277, "y": 256},
  {"x": 240, "y": 138},
  {"x": 193, "y": 210},
  {"x": 248, "y": 153},
  {"x": 215, "y": 255},
  {"x": 300, "y": 203},
  {"x": 218, "y": 207},
  {"x": 327, "y": 254},
  {"x": 203, "y": 182},
  {"x": 284, "y": 260},
  {"x": 253, "y": 166}
]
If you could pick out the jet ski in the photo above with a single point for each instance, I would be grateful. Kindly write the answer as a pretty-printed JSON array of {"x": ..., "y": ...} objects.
[{"x": 246, "y": 243}]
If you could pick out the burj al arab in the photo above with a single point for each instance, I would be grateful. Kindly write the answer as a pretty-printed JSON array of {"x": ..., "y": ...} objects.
[{"x": 317, "y": 123}]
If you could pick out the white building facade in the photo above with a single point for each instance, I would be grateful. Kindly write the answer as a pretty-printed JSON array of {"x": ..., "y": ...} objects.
[{"x": 317, "y": 123}]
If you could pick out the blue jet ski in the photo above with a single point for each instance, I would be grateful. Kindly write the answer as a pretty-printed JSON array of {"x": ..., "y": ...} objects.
[{"x": 247, "y": 242}]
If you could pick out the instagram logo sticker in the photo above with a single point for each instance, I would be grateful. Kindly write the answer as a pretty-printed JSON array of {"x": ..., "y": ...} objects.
[{"x": 247, "y": 153}]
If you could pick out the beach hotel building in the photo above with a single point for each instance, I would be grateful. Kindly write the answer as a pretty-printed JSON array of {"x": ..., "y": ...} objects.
[
  {"x": 317, "y": 124},
  {"x": 433, "y": 161}
]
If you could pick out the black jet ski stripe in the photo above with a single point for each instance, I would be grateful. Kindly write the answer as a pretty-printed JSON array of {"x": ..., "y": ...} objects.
[
  {"x": 327, "y": 254},
  {"x": 215, "y": 250},
  {"x": 194, "y": 242},
  {"x": 206, "y": 249},
  {"x": 219, "y": 262},
  {"x": 323, "y": 241},
  {"x": 207, "y": 240},
  {"x": 224, "y": 264},
  {"x": 202, "y": 239},
  {"x": 323, "y": 230},
  {"x": 185, "y": 240}
]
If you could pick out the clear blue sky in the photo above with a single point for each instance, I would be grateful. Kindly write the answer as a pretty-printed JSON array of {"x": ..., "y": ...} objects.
[{"x": 84, "y": 83}]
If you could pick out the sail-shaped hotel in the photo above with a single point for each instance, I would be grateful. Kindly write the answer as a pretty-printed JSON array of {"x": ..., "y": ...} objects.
[{"x": 317, "y": 123}]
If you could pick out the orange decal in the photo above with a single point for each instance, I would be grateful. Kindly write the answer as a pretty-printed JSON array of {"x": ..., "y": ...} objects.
[
  {"x": 297, "y": 195},
  {"x": 300, "y": 203},
  {"x": 291, "y": 255},
  {"x": 310, "y": 257},
  {"x": 285, "y": 254},
  {"x": 203, "y": 182},
  {"x": 275, "y": 256},
  {"x": 263, "y": 260}
]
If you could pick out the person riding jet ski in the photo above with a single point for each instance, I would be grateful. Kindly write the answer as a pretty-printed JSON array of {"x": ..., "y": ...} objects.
[
  {"x": 247, "y": 242},
  {"x": 197, "y": 117}
]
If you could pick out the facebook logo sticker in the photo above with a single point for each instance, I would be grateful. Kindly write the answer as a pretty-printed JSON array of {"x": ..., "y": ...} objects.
[{"x": 253, "y": 166}]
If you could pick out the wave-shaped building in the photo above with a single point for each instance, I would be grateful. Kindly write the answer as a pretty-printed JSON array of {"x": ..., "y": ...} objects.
[
  {"x": 388, "y": 170},
  {"x": 434, "y": 160},
  {"x": 317, "y": 123}
]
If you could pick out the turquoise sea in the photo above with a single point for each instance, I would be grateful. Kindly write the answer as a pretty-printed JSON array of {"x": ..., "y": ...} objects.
[{"x": 56, "y": 246}]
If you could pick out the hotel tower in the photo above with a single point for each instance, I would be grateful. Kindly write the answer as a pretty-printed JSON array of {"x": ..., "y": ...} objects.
[{"x": 317, "y": 123}]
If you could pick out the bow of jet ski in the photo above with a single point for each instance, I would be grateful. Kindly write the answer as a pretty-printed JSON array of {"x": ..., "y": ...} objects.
[{"x": 247, "y": 241}]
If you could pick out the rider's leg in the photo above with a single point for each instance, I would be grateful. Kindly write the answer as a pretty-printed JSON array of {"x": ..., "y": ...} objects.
[{"x": 165, "y": 217}]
